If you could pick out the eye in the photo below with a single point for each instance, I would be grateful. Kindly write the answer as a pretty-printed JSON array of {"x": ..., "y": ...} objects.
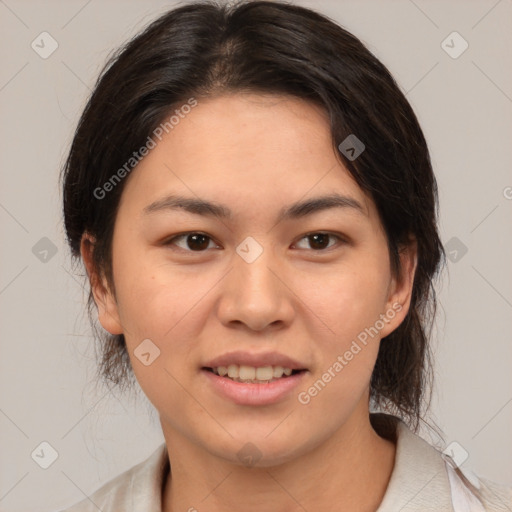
[
  {"x": 199, "y": 242},
  {"x": 193, "y": 241},
  {"x": 319, "y": 241}
]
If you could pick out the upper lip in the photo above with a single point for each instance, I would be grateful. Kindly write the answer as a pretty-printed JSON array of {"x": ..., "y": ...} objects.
[{"x": 256, "y": 360}]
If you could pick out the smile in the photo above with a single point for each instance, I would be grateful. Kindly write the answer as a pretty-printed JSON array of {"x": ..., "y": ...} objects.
[{"x": 245, "y": 385}]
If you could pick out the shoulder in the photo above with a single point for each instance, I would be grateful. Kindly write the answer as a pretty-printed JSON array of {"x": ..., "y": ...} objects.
[
  {"x": 138, "y": 488},
  {"x": 425, "y": 479}
]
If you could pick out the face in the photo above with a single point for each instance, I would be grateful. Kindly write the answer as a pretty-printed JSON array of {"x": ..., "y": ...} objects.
[{"x": 267, "y": 276}]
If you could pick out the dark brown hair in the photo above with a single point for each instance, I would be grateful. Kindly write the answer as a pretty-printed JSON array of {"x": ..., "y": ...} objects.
[{"x": 210, "y": 48}]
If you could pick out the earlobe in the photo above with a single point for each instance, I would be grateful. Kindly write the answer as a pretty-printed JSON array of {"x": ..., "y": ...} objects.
[
  {"x": 104, "y": 299},
  {"x": 400, "y": 290}
]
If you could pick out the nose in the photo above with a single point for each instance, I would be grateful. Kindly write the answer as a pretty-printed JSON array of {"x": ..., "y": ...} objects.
[{"x": 256, "y": 294}]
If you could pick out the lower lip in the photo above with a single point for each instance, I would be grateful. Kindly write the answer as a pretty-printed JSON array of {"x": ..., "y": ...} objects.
[{"x": 254, "y": 394}]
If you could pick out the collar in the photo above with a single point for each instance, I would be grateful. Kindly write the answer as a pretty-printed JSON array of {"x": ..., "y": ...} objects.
[{"x": 419, "y": 480}]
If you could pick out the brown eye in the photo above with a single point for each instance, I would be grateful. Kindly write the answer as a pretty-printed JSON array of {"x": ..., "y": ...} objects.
[
  {"x": 319, "y": 241},
  {"x": 194, "y": 242}
]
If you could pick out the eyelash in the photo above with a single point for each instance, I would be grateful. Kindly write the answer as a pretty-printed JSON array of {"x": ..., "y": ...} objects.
[{"x": 171, "y": 241}]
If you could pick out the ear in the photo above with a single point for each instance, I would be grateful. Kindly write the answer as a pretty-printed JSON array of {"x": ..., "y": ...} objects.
[
  {"x": 400, "y": 288},
  {"x": 106, "y": 303}
]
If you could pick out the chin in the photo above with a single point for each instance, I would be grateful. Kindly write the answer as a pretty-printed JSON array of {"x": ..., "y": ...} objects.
[{"x": 260, "y": 451}]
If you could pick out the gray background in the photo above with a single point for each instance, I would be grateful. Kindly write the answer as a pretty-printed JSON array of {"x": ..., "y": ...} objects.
[{"x": 47, "y": 364}]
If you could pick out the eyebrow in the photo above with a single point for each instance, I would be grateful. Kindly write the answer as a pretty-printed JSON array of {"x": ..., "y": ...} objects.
[{"x": 293, "y": 211}]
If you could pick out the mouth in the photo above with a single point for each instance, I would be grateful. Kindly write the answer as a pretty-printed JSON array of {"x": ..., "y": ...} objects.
[
  {"x": 253, "y": 375},
  {"x": 253, "y": 386}
]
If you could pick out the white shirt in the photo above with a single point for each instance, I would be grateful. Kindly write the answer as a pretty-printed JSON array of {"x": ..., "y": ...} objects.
[{"x": 422, "y": 480}]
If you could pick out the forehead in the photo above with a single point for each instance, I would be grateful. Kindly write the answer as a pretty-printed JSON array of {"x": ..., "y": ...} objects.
[{"x": 252, "y": 151}]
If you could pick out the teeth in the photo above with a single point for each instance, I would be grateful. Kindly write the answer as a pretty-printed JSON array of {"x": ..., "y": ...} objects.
[
  {"x": 233, "y": 371},
  {"x": 278, "y": 372},
  {"x": 242, "y": 373},
  {"x": 247, "y": 372},
  {"x": 264, "y": 373}
]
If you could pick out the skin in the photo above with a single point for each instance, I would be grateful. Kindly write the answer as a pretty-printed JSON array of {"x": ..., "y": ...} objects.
[{"x": 255, "y": 154}]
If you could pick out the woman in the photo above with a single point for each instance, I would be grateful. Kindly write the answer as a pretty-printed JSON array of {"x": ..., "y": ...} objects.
[{"x": 253, "y": 199}]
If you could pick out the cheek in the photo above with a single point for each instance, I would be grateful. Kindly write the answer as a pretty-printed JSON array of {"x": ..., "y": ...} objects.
[
  {"x": 348, "y": 300},
  {"x": 166, "y": 304},
  {"x": 156, "y": 303},
  {"x": 350, "y": 305},
  {"x": 152, "y": 306}
]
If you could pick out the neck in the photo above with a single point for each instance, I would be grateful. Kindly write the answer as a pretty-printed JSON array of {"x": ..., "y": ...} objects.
[{"x": 333, "y": 476}]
